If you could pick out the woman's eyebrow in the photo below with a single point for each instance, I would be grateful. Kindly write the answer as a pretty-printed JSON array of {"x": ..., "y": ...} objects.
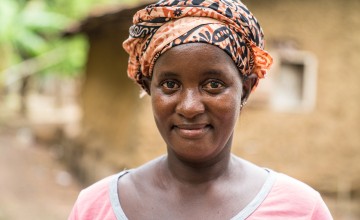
[
  {"x": 168, "y": 74},
  {"x": 213, "y": 72}
]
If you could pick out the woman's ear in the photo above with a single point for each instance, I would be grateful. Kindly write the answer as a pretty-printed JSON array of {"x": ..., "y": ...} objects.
[{"x": 249, "y": 82}]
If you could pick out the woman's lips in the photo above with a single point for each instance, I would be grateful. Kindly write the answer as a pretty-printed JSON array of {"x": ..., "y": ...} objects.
[{"x": 191, "y": 131}]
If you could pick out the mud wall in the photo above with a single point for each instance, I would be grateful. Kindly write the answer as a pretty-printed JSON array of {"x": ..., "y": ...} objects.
[{"x": 321, "y": 147}]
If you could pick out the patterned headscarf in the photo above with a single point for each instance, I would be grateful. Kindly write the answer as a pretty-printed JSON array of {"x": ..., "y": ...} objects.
[{"x": 227, "y": 24}]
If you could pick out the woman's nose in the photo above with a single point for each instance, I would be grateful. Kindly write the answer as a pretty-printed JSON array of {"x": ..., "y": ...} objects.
[{"x": 190, "y": 104}]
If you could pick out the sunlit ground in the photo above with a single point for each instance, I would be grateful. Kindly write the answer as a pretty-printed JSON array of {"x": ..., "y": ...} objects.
[{"x": 34, "y": 184}]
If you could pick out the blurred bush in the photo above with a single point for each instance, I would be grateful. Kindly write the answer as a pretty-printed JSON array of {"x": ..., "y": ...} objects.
[{"x": 30, "y": 30}]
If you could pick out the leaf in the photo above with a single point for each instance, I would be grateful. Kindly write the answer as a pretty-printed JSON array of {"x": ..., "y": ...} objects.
[{"x": 30, "y": 43}]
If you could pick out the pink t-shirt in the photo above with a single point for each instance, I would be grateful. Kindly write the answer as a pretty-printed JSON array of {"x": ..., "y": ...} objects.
[{"x": 281, "y": 197}]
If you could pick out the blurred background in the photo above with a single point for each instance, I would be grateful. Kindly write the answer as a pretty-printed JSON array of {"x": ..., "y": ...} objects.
[{"x": 70, "y": 116}]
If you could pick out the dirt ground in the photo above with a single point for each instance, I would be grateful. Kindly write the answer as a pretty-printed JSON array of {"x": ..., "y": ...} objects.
[{"x": 33, "y": 184}]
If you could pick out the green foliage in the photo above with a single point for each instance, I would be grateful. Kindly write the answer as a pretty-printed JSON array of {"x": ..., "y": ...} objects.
[
  {"x": 32, "y": 28},
  {"x": 27, "y": 29},
  {"x": 73, "y": 56}
]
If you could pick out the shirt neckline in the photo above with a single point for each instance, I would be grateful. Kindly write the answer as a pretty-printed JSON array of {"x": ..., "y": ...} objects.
[{"x": 243, "y": 214}]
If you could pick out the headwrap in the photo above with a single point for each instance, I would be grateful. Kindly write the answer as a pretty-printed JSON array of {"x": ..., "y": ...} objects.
[{"x": 227, "y": 24}]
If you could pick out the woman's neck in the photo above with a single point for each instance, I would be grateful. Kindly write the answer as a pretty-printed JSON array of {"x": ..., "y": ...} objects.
[{"x": 193, "y": 173}]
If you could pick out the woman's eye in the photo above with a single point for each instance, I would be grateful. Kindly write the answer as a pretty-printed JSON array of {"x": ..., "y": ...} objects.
[
  {"x": 170, "y": 85},
  {"x": 213, "y": 86}
]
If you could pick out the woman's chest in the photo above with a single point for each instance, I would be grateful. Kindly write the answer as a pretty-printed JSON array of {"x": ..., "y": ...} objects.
[{"x": 181, "y": 204}]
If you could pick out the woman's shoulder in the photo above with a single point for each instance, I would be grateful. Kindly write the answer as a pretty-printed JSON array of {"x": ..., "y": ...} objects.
[
  {"x": 101, "y": 187},
  {"x": 94, "y": 200},
  {"x": 289, "y": 186},
  {"x": 143, "y": 173},
  {"x": 95, "y": 188},
  {"x": 292, "y": 198}
]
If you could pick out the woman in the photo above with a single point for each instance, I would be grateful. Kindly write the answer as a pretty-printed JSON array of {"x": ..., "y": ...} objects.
[{"x": 199, "y": 61}]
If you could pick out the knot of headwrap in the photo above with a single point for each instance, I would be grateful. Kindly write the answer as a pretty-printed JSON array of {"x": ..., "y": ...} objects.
[{"x": 227, "y": 24}]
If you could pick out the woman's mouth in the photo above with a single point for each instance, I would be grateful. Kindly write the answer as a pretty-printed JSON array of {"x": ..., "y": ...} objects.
[{"x": 191, "y": 131}]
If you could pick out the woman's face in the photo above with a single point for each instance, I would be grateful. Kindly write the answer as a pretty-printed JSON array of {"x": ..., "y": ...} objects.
[{"x": 196, "y": 95}]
